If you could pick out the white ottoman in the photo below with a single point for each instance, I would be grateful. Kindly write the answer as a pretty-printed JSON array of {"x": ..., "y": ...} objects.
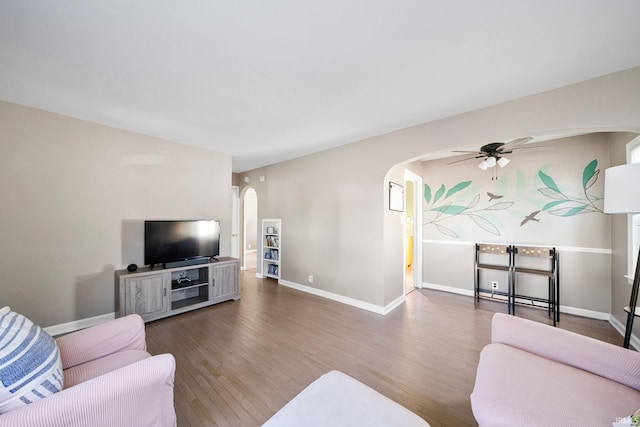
[{"x": 335, "y": 400}]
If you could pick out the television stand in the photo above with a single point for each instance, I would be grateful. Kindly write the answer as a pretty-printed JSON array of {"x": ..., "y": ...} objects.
[{"x": 163, "y": 292}]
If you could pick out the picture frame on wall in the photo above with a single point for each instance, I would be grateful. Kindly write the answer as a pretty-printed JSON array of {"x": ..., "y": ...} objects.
[{"x": 396, "y": 197}]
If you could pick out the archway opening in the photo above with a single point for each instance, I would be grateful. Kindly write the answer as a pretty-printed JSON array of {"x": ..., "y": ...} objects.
[{"x": 250, "y": 229}]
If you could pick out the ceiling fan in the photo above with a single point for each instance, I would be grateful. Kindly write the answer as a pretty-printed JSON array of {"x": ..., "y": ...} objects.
[{"x": 494, "y": 152}]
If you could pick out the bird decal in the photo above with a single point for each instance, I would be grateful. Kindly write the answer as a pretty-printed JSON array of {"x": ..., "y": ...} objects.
[
  {"x": 530, "y": 217},
  {"x": 494, "y": 196}
]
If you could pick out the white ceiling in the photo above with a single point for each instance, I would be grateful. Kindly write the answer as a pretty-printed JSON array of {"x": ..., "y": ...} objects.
[{"x": 270, "y": 80}]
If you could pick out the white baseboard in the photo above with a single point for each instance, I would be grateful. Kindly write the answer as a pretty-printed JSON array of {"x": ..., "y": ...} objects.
[
  {"x": 65, "y": 328},
  {"x": 450, "y": 289},
  {"x": 393, "y": 304},
  {"x": 599, "y": 315},
  {"x": 345, "y": 300},
  {"x": 563, "y": 308}
]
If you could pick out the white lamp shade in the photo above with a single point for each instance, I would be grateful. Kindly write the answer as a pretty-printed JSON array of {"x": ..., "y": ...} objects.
[
  {"x": 502, "y": 162},
  {"x": 491, "y": 162},
  {"x": 483, "y": 165},
  {"x": 622, "y": 189}
]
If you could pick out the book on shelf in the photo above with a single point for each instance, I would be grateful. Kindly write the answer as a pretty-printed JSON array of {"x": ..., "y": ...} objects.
[
  {"x": 271, "y": 254},
  {"x": 272, "y": 241},
  {"x": 272, "y": 269}
]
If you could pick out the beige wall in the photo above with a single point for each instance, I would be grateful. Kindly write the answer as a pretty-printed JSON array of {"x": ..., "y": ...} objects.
[
  {"x": 336, "y": 224},
  {"x": 393, "y": 242},
  {"x": 74, "y": 195},
  {"x": 320, "y": 199}
]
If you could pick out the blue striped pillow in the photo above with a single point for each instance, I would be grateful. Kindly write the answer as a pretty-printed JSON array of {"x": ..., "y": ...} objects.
[{"x": 30, "y": 365}]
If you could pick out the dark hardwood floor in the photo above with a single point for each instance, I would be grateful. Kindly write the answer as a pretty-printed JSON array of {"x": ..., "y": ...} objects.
[{"x": 240, "y": 361}]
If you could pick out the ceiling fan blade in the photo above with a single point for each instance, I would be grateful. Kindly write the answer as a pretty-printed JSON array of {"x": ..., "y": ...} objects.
[
  {"x": 529, "y": 149},
  {"x": 470, "y": 152},
  {"x": 515, "y": 143},
  {"x": 466, "y": 159}
]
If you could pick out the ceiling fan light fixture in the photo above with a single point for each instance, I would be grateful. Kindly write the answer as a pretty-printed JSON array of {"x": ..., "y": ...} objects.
[
  {"x": 483, "y": 165},
  {"x": 502, "y": 162},
  {"x": 490, "y": 162}
]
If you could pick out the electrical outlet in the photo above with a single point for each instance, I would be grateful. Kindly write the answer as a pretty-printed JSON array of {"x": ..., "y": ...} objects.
[
  {"x": 311, "y": 278},
  {"x": 494, "y": 285}
]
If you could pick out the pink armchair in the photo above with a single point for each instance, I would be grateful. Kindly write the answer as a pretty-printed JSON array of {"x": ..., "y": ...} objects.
[
  {"x": 109, "y": 380},
  {"x": 533, "y": 374}
]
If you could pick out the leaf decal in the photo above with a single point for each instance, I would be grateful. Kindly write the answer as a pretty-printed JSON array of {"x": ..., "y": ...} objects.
[
  {"x": 459, "y": 186},
  {"x": 450, "y": 209},
  {"x": 474, "y": 202},
  {"x": 592, "y": 180},
  {"x": 548, "y": 181},
  {"x": 552, "y": 194},
  {"x": 446, "y": 231},
  {"x": 427, "y": 193},
  {"x": 552, "y": 204},
  {"x": 439, "y": 194},
  {"x": 521, "y": 184},
  {"x": 588, "y": 173},
  {"x": 484, "y": 224},
  {"x": 571, "y": 211},
  {"x": 499, "y": 206}
]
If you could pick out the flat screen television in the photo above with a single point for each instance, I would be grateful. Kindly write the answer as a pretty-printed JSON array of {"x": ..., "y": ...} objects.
[{"x": 174, "y": 241}]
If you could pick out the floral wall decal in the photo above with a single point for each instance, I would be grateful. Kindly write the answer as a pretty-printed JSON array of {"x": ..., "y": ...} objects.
[
  {"x": 446, "y": 207},
  {"x": 446, "y": 210},
  {"x": 565, "y": 205}
]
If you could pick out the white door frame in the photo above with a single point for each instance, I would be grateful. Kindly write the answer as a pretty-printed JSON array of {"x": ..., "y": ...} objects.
[{"x": 417, "y": 226}]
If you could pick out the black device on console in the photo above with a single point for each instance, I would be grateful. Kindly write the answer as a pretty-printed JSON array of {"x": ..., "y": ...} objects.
[{"x": 181, "y": 243}]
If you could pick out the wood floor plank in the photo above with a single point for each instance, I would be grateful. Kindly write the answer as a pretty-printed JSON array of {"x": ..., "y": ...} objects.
[{"x": 240, "y": 361}]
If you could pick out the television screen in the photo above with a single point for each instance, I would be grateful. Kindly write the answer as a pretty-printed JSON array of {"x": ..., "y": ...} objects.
[{"x": 169, "y": 241}]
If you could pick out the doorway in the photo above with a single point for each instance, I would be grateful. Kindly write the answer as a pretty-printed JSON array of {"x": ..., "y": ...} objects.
[
  {"x": 235, "y": 221},
  {"x": 412, "y": 232},
  {"x": 250, "y": 229}
]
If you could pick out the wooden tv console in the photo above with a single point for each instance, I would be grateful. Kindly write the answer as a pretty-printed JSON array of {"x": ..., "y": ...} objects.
[{"x": 161, "y": 292}]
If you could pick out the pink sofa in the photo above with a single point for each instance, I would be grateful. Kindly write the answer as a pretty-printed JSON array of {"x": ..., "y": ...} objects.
[
  {"x": 109, "y": 380},
  {"x": 536, "y": 375}
]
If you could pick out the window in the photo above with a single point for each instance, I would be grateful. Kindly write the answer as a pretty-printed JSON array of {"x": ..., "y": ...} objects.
[{"x": 633, "y": 156}]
